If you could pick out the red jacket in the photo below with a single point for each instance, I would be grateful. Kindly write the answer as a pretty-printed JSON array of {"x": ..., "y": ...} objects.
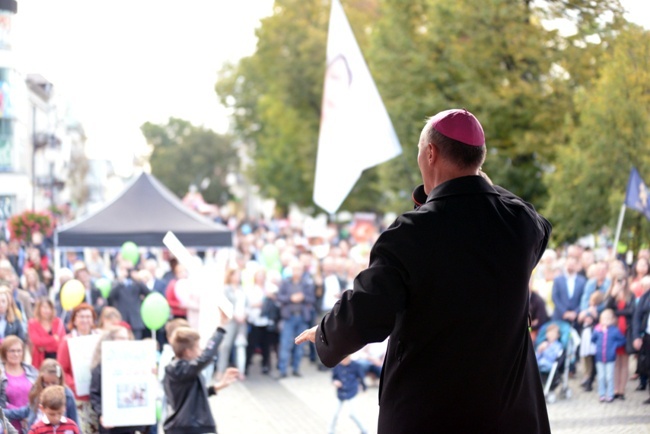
[
  {"x": 174, "y": 302},
  {"x": 43, "y": 342},
  {"x": 66, "y": 425}
]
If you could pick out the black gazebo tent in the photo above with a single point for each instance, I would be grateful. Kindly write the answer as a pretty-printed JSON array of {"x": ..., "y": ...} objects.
[{"x": 143, "y": 214}]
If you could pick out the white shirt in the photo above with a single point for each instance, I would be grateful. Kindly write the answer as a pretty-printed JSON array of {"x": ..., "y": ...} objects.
[
  {"x": 570, "y": 284},
  {"x": 332, "y": 288}
]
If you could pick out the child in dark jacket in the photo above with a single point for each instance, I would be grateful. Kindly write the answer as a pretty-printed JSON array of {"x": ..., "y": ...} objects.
[
  {"x": 607, "y": 338},
  {"x": 346, "y": 377},
  {"x": 188, "y": 408}
]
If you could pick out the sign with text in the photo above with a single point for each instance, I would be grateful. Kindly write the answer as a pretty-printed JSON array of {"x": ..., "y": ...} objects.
[{"x": 128, "y": 383}]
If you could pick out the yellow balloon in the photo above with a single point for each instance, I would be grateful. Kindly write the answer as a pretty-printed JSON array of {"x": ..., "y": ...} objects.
[{"x": 73, "y": 293}]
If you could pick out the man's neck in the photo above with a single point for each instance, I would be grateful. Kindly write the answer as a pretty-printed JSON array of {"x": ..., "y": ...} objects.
[{"x": 447, "y": 172}]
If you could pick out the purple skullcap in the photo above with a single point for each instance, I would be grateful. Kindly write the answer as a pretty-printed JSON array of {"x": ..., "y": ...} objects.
[{"x": 460, "y": 125}]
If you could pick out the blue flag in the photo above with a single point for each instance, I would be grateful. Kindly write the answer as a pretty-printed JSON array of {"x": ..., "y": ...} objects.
[{"x": 637, "y": 194}]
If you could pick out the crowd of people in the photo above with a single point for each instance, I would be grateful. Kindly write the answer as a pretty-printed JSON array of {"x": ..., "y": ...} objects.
[
  {"x": 280, "y": 282},
  {"x": 275, "y": 281},
  {"x": 607, "y": 302}
]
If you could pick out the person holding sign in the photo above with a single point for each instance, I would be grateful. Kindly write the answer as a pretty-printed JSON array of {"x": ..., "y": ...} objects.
[
  {"x": 82, "y": 324},
  {"x": 185, "y": 390},
  {"x": 113, "y": 334}
]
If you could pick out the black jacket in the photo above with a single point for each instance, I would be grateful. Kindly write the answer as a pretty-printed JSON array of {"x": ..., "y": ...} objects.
[
  {"x": 127, "y": 297},
  {"x": 640, "y": 317},
  {"x": 627, "y": 312},
  {"x": 448, "y": 283},
  {"x": 187, "y": 395},
  {"x": 96, "y": 403}
]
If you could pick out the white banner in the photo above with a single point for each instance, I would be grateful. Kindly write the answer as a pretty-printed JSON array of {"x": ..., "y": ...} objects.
[
  {"x": 356, "y": 132},
  {"x": 128, "y": 383},
  {"x": 82, "y": 349}
]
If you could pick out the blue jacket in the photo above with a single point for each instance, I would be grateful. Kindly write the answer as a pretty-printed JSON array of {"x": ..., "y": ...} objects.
[
  {"x": 350, "y": 376},
  {"x": 590, "y": 287},
  {"x": 546, "y": 358},
  {"x": 607, "y": 342}
]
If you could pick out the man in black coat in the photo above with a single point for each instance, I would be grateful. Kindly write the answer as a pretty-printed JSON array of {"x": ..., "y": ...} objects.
[
  {"x": 448, "y": 283},
  {"x": 641, "y": 334},
  {"x": 126, "y": 296}
]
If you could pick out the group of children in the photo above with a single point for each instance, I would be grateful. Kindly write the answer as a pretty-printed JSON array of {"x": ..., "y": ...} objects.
[
  {"x": 606, "y": 338},
  {"x": 52, "y": 408}
]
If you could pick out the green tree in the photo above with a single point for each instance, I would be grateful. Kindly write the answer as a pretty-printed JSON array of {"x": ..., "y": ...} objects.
[
  {"x": 494, "y": 58},
  {"x": 587, "y": 186},
  {"x": 497, "y": 60},
  {"x": 184, "y": 155},
  {"x": 275, "y": 96}
]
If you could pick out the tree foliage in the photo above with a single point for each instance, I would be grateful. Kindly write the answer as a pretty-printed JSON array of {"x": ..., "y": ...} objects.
[
  {"x": 613, "y": 135},
  {"x": 498, "y": 59},
  {"x": 184, "y": 155},
  {"x": 275, "y": 96}
]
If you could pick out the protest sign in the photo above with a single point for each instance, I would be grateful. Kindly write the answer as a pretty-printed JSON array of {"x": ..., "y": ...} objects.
[{"x": 128, "y": 383}]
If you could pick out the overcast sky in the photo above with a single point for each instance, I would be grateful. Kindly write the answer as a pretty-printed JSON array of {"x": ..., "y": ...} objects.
[{"x": 123, "y": 63}]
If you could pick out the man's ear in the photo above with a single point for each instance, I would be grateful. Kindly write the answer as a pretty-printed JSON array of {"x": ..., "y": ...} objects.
[{"x": 432, "y": 153}]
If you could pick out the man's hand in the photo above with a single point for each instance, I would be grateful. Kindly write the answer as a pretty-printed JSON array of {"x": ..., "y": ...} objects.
[
  {"x": 101, "y": 421},
  {"x": 223, "y": 318},
  {"x": 637, "y": 343},
  {"x": 569, "y": 315},
  {"x": 337, "y": 384},
  {"x": 307, "y": 335},
  {"x": 297, "y": 297},
  {"x": 230, "y": 376}
]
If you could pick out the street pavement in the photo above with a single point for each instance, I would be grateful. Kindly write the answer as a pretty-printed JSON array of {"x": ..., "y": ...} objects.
[{"x": 262, "y": 404}]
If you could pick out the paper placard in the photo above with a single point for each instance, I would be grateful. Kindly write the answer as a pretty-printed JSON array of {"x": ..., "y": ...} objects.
[
  {"x": 129, "y": 385},
  {"x": 82, "y": 349},
  {"x": 200, "y": 277}
]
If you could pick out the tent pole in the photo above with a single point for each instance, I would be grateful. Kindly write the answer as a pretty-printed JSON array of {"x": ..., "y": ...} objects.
[{"x": 57, "y": 266}]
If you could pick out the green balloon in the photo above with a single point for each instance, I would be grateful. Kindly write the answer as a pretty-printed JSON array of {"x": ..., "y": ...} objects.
[
  {"x": 104, "y": 285},
  {"x": 155, "y": 311},
  {"x": 158, "y": 410},
  {"x": 130, "y": 252}
]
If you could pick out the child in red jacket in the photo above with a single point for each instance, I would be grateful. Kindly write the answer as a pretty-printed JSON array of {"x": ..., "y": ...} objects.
[{"x": 53, "y": 406}]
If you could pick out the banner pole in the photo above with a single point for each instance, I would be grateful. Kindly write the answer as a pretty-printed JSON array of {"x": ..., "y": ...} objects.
[{"x": 618, "y": 230}]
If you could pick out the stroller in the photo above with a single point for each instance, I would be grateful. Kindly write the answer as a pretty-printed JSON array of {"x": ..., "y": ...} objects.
[{"x": 559, "y": 372}]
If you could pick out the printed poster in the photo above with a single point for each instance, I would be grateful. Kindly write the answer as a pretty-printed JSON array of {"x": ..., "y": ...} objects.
[
  {"x": 129, "y": 385},
  {"x": 82, "y": 350}
]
